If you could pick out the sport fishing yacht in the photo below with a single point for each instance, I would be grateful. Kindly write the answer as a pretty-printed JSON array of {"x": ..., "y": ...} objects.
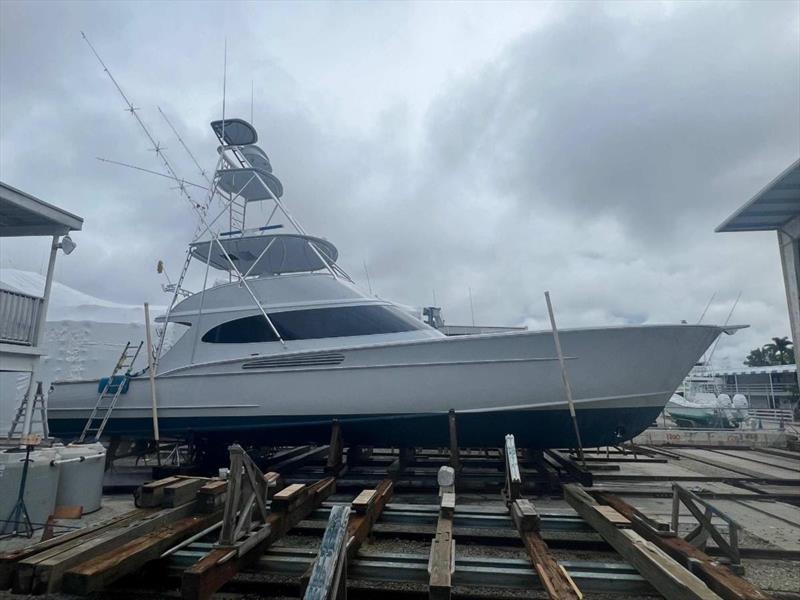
[{"x": 290, "y": 343}]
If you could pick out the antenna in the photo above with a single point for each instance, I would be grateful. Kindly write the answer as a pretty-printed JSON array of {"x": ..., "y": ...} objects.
[
  {"x": 369, "y": 283},
  {"x": 471, "y": 307},
  {"x": 224, "y": 83},
  {"x": 185, "y": 147},
  {"x": 730, "y": 314},
  {"x": 703, "y": 314},
  {"x": 434, "y": 297},
  {"x": 122, "y": 164},
  {"x": 252, "y": 96},
  {"x": 156, "y": 146}
]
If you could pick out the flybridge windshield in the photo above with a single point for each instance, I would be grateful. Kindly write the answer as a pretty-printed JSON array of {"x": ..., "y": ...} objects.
[{"x": 314, "y": 323}]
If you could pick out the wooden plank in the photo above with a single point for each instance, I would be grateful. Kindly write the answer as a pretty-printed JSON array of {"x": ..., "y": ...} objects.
[
  {"x": 524, "y": 515},
  {"x": 442, "y": 559},
  {"x": 151, "y": 494},
  {"x": 613, "y": 516},
  {"x": 329, "y": 571},
  {"x": 554, "y": 579},
  {"x": 447, "y": 505},
  {"x": 212, "y": 571},
  {"x": 182, "y": 491},
  {"x": 8, "y": 560},
  {"x": 361, "y": 524},
  {"x": 718, "y": 577},
  {"x": 364, "y": 500},
  {"x": 97, "y": 573},
  {"x": 283, "y": 499},
  {"x": 43, "y": 572},
  {"x": 665, "y": 574}
]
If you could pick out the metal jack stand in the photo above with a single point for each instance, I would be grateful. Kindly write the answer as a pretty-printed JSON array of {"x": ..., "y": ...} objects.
[{"x": 19, "y": 514}]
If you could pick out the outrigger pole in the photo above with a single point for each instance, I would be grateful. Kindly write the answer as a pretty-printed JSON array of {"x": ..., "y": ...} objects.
[{"x": 199, "y": 209}]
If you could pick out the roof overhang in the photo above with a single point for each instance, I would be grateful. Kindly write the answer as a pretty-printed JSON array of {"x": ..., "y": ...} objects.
[
  {"x": 24, "y": 215},
  {"x": 770, "y": 209}
]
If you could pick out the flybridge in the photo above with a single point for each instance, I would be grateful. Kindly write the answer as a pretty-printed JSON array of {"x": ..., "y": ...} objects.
[{"x": 244, "y": 175}]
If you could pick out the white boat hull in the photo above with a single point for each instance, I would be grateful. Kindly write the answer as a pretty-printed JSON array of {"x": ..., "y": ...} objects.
[{"x": 400, "y": 393}]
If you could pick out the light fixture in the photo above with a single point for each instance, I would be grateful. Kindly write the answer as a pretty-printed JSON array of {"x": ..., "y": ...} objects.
[{"x": 67, "y": 245}]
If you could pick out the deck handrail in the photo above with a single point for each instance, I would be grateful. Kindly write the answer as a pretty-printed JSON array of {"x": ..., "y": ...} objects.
[{"x": 19, "y": 314}]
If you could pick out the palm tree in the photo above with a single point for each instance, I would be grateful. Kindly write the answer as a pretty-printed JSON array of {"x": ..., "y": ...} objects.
[
  {"x": 779, "y": 351},
  {"x": 757, "y": 358}
]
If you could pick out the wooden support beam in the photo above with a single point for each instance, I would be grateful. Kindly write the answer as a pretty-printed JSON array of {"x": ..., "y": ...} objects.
[
  {"x": 328, "y": 580},
  {"x": 573, "y": 469},
  {"x": 296, "y": 461},
  {"x": 455, "y": 459},
  {"x": 718, "y": 577},
  {"x": 182, "y": 491},
  {"x": 43, "y": 572},
  {"x": 365, "y": 516},
  {"x": 665, "y": 574},
  {"x": 554, "y": 578},
  {"x": 9, "y": 560},
  {"x": 211, "y": 572},
  {"x": 405, "y": 457},
  {"x": 96, "y": 574},
  {"x": 335, "y": 462},
  {"x": 524, "y": 515},
  {"x": 513, "y": 488},
  {"x": 151, "y": 494},
  {"x": 441, "y": 564}
]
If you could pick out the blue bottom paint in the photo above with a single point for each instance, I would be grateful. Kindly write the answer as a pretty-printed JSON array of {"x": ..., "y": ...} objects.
[{"x": 532, "y": 429}]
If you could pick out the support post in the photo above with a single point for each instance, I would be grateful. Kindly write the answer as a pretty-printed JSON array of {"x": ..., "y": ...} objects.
[
  {"x": 455, "y": 459},
  {"x": 335, "y": 464},
  {"x": 152, "y": 376},
  {"x": 564, "y": 377}
]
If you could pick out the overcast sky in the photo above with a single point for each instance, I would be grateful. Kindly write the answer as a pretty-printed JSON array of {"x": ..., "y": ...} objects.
[{"x": 581, "y": 148}]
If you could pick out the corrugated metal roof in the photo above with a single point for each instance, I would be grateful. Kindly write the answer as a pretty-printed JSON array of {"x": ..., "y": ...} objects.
[
  {"x": 24, "y": 215},
  {"x": 772, "y": 207}
]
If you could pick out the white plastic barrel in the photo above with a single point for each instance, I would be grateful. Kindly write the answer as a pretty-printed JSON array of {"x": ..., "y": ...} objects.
[
  {"x": 41, "y": 485},
  {"x": 81, "y": 482}
]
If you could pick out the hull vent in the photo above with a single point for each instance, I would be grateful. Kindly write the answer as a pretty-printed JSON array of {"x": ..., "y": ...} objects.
[{"x": 303, "y": 360}]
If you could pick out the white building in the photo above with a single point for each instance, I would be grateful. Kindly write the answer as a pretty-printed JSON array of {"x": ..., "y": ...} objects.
[{"x": 22, "y": 316}]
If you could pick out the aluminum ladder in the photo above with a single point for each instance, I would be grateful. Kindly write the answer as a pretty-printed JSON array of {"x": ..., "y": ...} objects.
[
  {"x": 39, "y": 405},
  {"x": 108, "y": 397}
]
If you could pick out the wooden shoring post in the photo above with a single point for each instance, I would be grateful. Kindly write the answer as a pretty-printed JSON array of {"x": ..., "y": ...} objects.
[
  {"x": 554, "y": 578},
  {"x": 455, "y": 459},
  {"x": 513, "y": 488},
  {"x": 217, "y": 567},
  {"x": 718, "y": 577},
  {"x": 698, "y": 536},
  {"x": 666, "y": 575},
  {"x": 328, "y": 579},
  {"x": 335, "y": 464},
  {"x": 442, "y": 561},
  {"x": 405, "y": 456}
]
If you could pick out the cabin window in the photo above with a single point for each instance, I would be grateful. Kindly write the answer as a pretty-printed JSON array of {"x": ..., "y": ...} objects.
[
  {"x": 314, "y": 323},
  {"x": 241, "y": 331}
]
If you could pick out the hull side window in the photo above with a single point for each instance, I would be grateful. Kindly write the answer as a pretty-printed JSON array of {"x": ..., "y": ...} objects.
[{"x": 314, "y": 324}]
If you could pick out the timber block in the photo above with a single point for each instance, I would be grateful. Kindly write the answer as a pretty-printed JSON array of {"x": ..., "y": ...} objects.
[
  {"x": 524, "y": 515},
  {"x": 182, "y": 491},
  {"x": 151, "y": 494},
  {"x": 285, "y": 499},
  {"x": 364, "y": 500}
]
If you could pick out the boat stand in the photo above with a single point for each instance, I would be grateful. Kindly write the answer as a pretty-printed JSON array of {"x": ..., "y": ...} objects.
[{"x": 19, "y": 514}]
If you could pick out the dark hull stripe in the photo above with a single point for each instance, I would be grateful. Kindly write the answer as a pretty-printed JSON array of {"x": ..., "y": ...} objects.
[{"x": 532, "y": 429}]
